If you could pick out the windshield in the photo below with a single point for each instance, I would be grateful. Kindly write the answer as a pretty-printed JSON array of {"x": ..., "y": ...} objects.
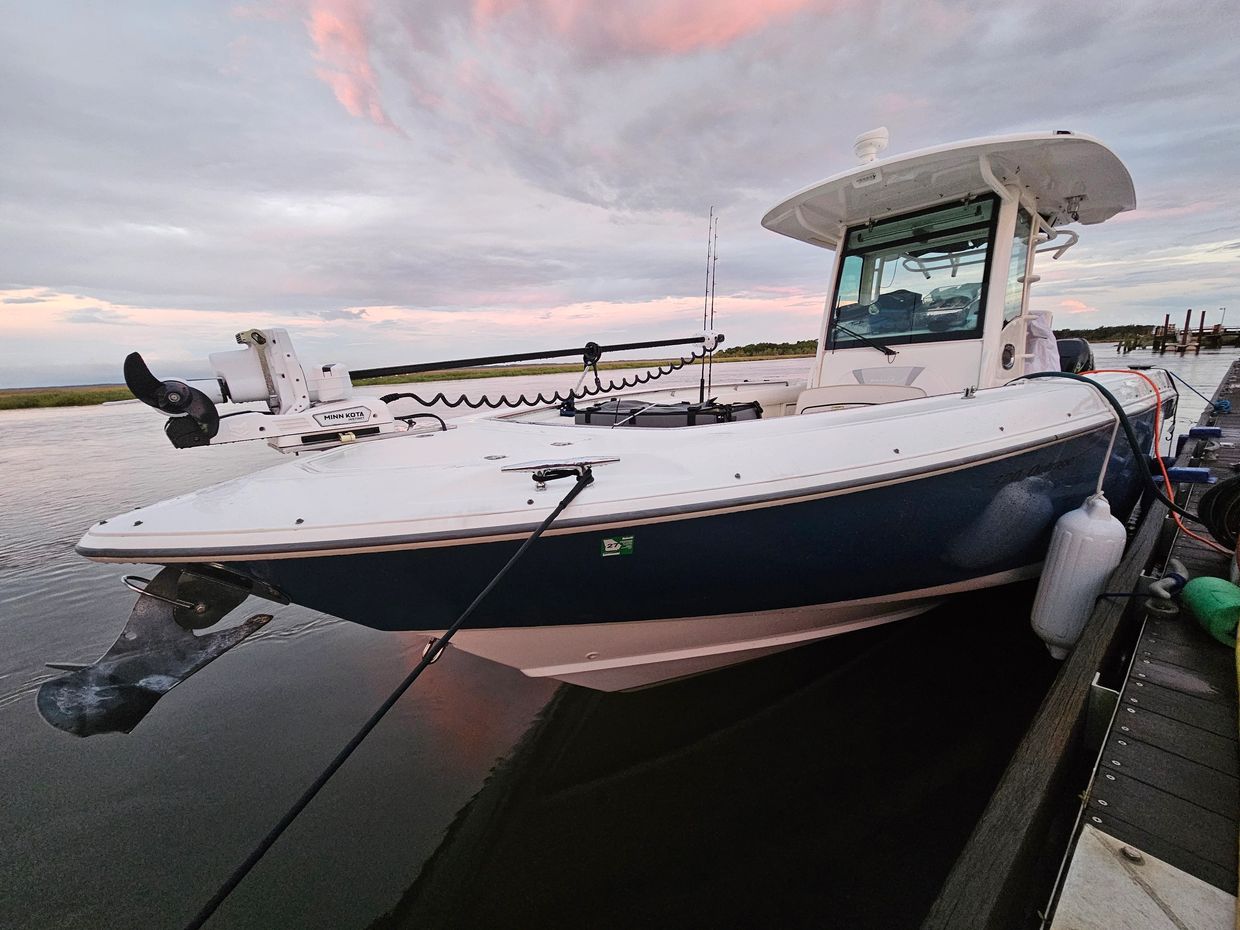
[{"x": 917, "y": 278}]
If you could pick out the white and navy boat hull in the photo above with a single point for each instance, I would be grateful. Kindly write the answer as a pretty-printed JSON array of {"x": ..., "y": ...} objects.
[{"x": 625, "y": 598}]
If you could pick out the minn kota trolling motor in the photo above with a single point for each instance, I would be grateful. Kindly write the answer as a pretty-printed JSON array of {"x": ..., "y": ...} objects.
[{"x": 311, "y": 409}]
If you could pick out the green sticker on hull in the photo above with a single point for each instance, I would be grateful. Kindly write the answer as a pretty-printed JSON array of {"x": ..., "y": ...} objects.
[{"x": 617, "y": 545}]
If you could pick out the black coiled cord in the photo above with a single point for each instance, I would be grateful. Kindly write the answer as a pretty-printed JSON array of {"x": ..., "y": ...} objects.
[{"x": 540, "y": 400}]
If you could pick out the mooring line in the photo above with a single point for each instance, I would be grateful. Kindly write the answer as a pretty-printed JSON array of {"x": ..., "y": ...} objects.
[{"x": 584, "y": 478}]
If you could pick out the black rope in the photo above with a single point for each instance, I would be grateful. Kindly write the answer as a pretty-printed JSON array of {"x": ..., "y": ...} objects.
[
  {"x": 584, "y": 477},
  {"x": 540, "y": 400}
]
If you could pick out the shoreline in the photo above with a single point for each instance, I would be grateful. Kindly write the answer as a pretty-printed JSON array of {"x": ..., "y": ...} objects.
[{"x": 87, "y": 395}]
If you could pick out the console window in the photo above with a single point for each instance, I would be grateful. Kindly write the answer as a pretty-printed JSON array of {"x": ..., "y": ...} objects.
[{"x": 915, "y": 278}]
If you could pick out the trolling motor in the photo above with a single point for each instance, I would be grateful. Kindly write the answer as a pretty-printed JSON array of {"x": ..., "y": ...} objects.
[
  {"x": 316, "y": 409},
  {"x": 305, "y": 409}
]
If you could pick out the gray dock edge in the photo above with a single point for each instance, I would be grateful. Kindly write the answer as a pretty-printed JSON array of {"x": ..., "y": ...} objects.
[{"x": 1007, "y": 870}]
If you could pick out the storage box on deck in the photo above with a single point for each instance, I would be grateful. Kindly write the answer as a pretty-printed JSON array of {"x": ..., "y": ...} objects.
[{"x": 643, "y": 414}]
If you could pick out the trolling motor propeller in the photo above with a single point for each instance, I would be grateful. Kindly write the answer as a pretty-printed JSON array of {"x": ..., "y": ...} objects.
[{"x": 193, "y": 418}]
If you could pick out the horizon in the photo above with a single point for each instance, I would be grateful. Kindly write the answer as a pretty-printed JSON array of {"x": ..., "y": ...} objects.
[
  {"x": 638, "y": 361},
  {"x": 393, "y": 182}
]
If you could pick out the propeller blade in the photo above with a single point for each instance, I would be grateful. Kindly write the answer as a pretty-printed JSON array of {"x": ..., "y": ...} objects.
[
  {"x": 141, "y": 383},
  {"x": 202, "y": 410}
]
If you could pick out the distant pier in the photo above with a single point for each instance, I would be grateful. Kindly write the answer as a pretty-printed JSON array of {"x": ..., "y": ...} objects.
[{"x": 1184, "y": 339}]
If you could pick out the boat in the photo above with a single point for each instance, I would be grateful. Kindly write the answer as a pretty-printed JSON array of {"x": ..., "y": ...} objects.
[{"x": 917, "y": 459}]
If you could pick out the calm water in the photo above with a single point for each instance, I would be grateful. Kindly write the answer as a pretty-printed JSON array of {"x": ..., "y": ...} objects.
[{"x": 787, "y": 792}]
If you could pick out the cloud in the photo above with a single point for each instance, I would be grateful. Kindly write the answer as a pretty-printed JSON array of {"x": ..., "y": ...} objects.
[
  {"x": 94, "y": 315},
  {"x": 624, "y": 28},
  {"x": 24, "y": 300},
  {"x": 341, "y": 314},
  {"x": 340, "y": 30},
  {"x": 1071, "y": 305}
]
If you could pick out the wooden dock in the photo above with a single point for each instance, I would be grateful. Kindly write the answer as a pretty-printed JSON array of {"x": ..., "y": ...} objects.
[
  {"x": 1184, "y": 340},
  {"x": 1120, "y": 806}
]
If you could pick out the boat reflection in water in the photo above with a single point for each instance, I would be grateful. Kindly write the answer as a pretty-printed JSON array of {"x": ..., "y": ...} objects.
[{"x": 828, "y": 786}]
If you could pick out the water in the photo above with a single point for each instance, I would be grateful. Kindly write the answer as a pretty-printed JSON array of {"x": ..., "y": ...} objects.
[{"x": 774, "y": 793}]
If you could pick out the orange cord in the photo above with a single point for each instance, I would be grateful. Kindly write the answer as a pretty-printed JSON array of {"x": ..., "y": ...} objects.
[{"x": 1158, "y": 454}]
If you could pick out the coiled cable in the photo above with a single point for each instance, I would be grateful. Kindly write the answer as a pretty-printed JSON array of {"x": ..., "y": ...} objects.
[{"x": 541, "y": 400}]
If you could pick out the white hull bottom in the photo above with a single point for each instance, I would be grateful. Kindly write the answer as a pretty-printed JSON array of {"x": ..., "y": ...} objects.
[{"x": 638, "y": 654}]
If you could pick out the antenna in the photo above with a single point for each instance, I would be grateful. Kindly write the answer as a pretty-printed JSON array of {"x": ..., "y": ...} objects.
[
  {"x": 868, "y": 145},
  {"x": 710, "y": 225},
  {"x": 714, "y": 258}
]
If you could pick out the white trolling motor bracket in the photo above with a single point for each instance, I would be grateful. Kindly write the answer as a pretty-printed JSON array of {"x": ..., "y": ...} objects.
[{"x": 306, "y": 410}]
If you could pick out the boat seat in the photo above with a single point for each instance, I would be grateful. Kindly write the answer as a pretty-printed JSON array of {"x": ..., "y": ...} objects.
[{"x": 815, "y": 400}]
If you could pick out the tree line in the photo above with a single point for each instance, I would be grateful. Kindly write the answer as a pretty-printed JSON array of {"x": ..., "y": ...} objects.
[{"x": 804, "y": 347}]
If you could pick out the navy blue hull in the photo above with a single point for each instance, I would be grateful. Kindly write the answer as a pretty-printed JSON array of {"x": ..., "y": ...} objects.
[{"x": 940, "y": 529}]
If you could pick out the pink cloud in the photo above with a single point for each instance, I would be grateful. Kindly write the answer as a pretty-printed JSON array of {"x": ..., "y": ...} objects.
[
  {"x": 340, "y": 30},
  {"x": 344, "y": 32},
  {"x": 1072, "y": 305},
  {"x": 644, "y": 26},
  {"x": 495, "y": 102}
]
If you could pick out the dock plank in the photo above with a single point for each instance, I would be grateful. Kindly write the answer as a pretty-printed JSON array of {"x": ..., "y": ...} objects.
[
  {"x": 1211, "y": 714},
  {"x": 1189, "y": 742},
  {"x": 1183, "y": 679},
  {"x": 1186, "y": 826},
  {"x": 1215, "y": 665},
  {"x": 1167, "y": 771}
]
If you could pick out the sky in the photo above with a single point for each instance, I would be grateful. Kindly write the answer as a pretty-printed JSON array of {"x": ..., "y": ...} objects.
[{"x": 397, "y": 181}]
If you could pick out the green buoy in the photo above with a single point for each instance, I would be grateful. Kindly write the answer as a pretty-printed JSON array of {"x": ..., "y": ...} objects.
[{"x": 1215, "y": 603}]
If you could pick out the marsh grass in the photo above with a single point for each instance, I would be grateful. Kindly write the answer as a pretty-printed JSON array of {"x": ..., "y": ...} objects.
[{"x": 87, "y": 395}]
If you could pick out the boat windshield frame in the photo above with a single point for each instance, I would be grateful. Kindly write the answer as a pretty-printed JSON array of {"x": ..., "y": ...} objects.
[{"x": 950, "y": 322}]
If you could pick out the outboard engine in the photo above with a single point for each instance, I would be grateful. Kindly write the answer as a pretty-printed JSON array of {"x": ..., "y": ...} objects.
[{"x": 1075, "y": 355}]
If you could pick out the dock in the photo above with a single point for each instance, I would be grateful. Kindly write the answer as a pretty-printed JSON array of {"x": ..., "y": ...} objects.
[
  {"x": 1120, "y": 807},
  {"x": 1184, "y": 340}
]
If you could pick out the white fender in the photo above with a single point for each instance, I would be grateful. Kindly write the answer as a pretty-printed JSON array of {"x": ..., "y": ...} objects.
[{"x": 1086, "y": 546}]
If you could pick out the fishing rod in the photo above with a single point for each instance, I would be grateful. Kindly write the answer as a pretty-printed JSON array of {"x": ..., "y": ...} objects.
[
  {"x": 710, "y": 222},
  {"x": 710, "y": 369}
]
